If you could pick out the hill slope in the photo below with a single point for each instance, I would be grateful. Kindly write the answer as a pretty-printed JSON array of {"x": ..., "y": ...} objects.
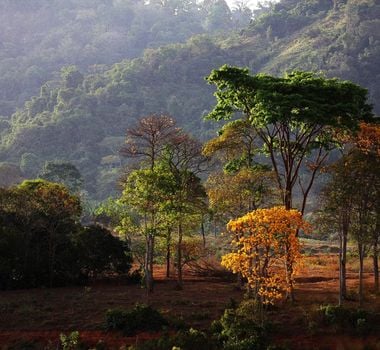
[{"x": 82, "y": 119}]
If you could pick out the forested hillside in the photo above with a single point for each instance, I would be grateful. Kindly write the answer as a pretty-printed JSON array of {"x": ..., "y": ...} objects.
[
  {"x": 80, "y": 114},
  {"x": 38, "y": 37}
]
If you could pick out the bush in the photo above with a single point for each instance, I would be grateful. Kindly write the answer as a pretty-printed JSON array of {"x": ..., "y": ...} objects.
[
  {"x": 71, "y": 341},
  {"x": 184, "y": 340},
  {"x": 349, "y": 320},
  {"x": 239, "y": 329},
  {"x": 101, "y": 251},
  {"x": 115, "y": 319},
  {"x": 140, "y": 318},
  {"x": 135, "y": 277},
  {"x": 334, "y": 315}
]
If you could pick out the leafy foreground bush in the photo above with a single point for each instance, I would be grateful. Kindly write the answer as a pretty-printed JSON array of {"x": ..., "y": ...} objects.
[
  {"x": 238, "y": 329},
  {"x": 140, "y": 318},
  {"x": 341, "y": 319},
  {"x": 184, "y": 340}
]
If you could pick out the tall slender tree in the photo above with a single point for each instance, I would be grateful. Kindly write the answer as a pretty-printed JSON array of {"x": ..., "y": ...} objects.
[
  {"x": 351, "y": 203},
  {"x": 184, "y": 161},
  {"x": 146, "y": 140}
]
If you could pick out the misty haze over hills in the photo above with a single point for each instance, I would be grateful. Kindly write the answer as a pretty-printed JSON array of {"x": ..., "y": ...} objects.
[{"x": 75, "y": 74}]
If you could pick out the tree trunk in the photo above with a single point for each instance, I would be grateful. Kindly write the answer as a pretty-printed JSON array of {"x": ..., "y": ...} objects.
[
  {"x": 376, "y": 263},
  {"x": 361, "y": 258},
  {"x": 149, "y": 263},
  {"x": 179, "y": 257},
  {"x": 288, "y": 197},
  {"x": 168, "y": 253},
  {"x": 289, "y": 271},
  {"x": 52, "y": 250},
  {"x": 342, "y": 267},
  {"x": 203, "y": 233},
  {"x": 289, "y": 277}
]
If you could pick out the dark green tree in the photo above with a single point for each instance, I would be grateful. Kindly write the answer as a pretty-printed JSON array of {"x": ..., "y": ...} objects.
[
  {"x": 43, "y": 244},
  {"x": 41, "y": 216},
  {"x": 71, "y": 77},
  {"x": 64, "y": 173},
  {"x": 101, "y": 252},
  {"x": 58, "y": 211}
]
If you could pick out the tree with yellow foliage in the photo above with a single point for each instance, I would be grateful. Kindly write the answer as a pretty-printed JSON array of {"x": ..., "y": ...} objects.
[{"x": 266, "y": 251}]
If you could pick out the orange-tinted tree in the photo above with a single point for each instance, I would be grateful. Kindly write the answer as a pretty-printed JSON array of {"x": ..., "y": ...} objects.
[{"x": 266, "y": 251}]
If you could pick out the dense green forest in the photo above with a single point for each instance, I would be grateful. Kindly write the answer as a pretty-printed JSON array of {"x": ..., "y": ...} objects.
[
  {"x": 85, "y": 104},
  {"x": 39, "y": 37}
]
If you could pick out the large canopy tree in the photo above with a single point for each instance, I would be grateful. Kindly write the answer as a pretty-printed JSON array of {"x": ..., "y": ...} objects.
[{"x": 298, "y": 118}]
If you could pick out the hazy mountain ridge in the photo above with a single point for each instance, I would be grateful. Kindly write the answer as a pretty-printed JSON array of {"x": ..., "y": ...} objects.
[
  {"x": 82, "y": 118},
  {"x": 38, "y": 37}
]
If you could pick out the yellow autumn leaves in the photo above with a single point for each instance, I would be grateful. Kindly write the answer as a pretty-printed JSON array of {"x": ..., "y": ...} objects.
[{"x": 266, "y": 250}]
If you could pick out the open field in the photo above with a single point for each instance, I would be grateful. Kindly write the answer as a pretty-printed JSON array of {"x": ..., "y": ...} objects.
[{"x": 42, "y": 314}]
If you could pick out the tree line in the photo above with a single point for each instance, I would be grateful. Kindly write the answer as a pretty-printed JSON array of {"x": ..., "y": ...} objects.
[
  {"x": 280, "y": 135},
  {"x": 283, "y": 134}
]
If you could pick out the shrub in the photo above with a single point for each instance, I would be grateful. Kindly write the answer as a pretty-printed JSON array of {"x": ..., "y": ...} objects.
[
  {"x": 349, "y": 320},
  {"x": 140, "y": 318},
  {"x": 135, "y": 277},
  {"x": 184, "y": 340},
  {"x": 334, "y": 315},
  {"x": 239, "y": 329},
  {"x": 115, "y": 319},
  {"x": 101, "y": 251},
  {"x": 71, "y": 341}
]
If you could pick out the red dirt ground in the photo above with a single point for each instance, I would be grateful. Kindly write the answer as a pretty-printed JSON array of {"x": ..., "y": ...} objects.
[{"x": 43, "y": 314}]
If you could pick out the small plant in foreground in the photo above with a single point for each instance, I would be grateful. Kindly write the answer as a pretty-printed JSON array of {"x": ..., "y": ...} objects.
[
  {"x": 71, "y": 341},
  {"x": 184, "y": 340},
  {"x": 140, "y": 318},
  {"x": 240, "y": 328},
  {"x": 349, "y": 320}
]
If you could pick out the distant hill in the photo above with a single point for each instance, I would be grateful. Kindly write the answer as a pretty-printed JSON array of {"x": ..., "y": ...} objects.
[
  {"x": 39, "y": 37},
  {"x": 81, "y": 117}
]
